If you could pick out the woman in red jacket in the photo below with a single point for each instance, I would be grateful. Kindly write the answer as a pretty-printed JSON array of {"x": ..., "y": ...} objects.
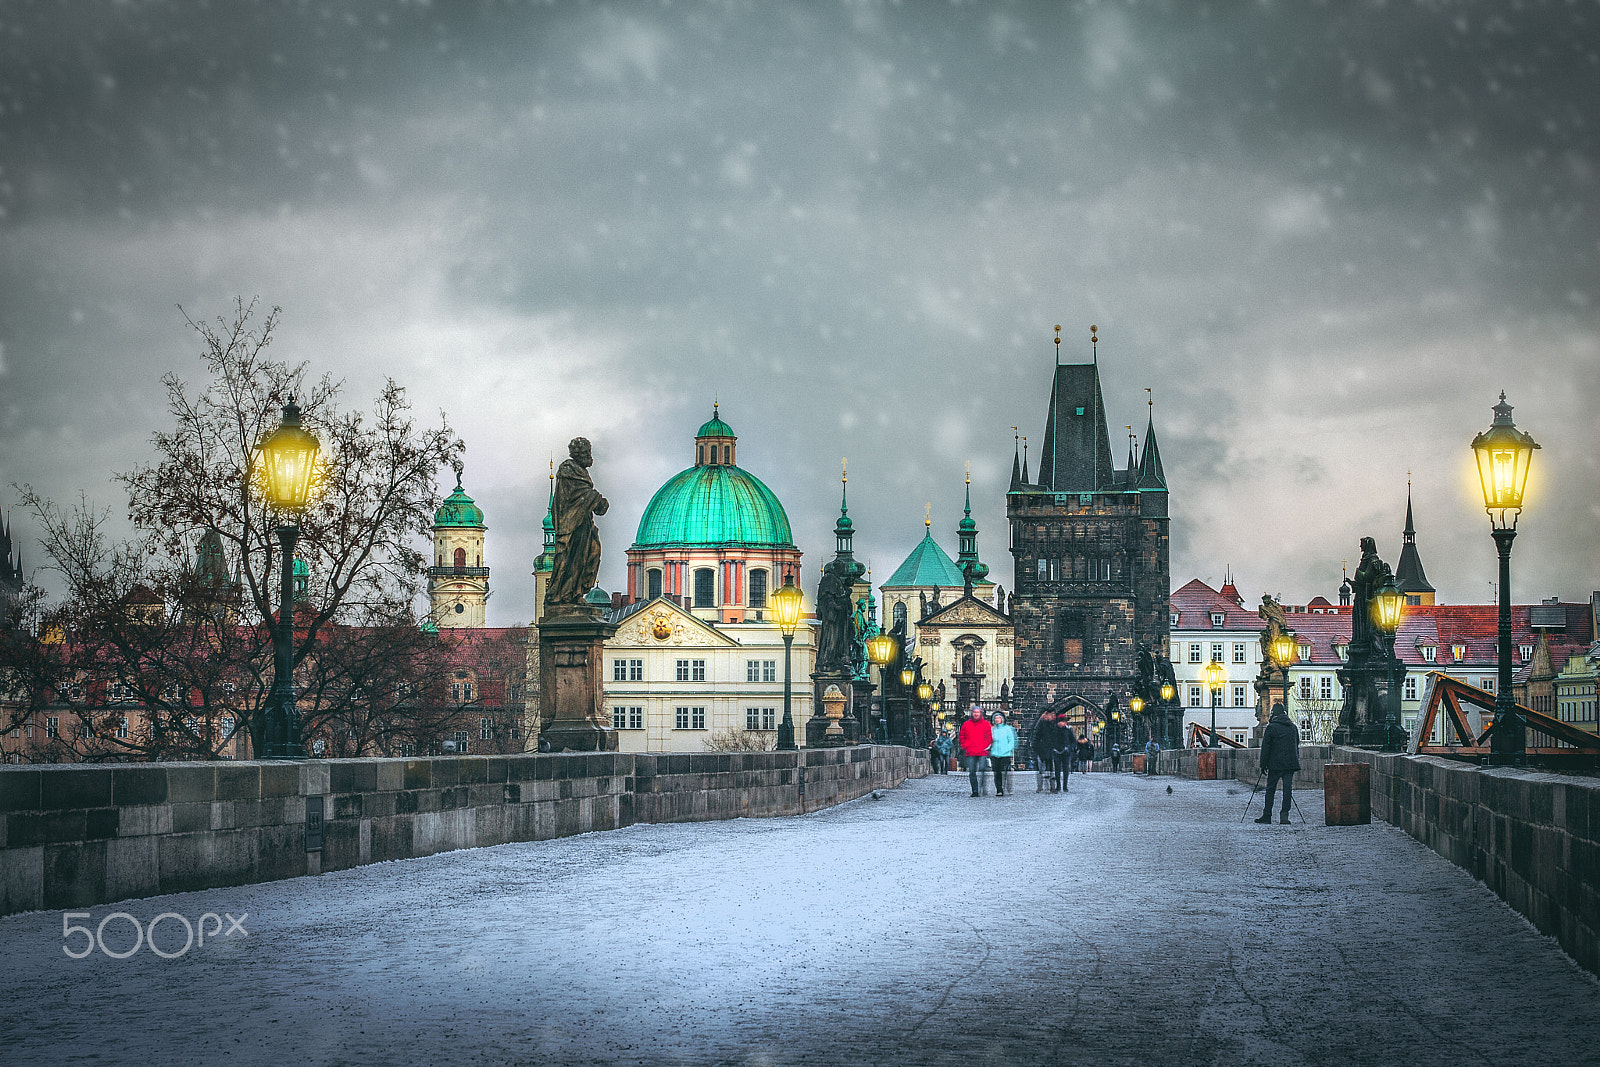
[{"x": 973, "y": 740}]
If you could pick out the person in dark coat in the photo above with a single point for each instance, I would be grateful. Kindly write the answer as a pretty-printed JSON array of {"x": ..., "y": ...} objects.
[
  {"x": 1280, "y": 758},
  {"x": 1044, "y": 742},
  {"x": 1065, "y": 750}
]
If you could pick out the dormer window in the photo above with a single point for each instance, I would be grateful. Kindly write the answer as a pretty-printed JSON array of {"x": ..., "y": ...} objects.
[
  {"x": 1174, "y": 620},
  {"x": 1218, "y": 618},
  {"x": 1428, "y": 652},
  {"x": 1305, "y": 653},
  {"x": 1458, "y": 652},
  {"x": 1527, "y": 652},
  {"x": 1342, "y": 650}
]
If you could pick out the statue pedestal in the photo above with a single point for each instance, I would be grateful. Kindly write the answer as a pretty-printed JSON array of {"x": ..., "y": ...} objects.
[
  {"x": 821, "y": 730},
  {"x": 571, "y": 654}
]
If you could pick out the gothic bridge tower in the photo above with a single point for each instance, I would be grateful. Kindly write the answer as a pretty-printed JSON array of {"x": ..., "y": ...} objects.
[{"x": 1090, "y": 547}]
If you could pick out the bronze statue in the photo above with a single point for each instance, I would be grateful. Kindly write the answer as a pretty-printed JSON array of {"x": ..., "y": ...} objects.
[
  {"x": 577, "y": 551},
  {"x": 1370, "y": 575},
  {"x": 833, "y": 611}
]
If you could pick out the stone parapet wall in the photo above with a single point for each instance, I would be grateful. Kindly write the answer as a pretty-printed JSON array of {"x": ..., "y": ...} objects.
[
  {"x": 1533, "y": 838},
  {"x": 74, "y": 836}
]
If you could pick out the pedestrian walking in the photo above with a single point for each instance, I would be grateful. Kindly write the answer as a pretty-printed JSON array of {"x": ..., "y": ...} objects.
[
  {"x": 1062, "y": 755},
  {"x": 1002, "y": 749},
  {"x": 1116, "y": 758},
  {"x": 1044, "y": 743},
  {"x": 933, "y": 755},
  {"x": 973, "y": 741},
  {"x": 1085, "y": 752},
  {"x": 945, "y": 743},
  {"x": 1152, "y": 749},
  {"x": 1280, "y": 758}
]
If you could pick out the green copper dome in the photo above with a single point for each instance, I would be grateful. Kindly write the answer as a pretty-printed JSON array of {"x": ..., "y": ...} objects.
[
  {"x": 714, "y": 427},
  {"x": 714, "y": 505},
  {"x": 458, "y": 510}
]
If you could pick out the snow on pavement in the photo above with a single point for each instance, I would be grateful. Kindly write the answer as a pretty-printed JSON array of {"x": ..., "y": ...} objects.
[{"x": 1115, "y": 924}]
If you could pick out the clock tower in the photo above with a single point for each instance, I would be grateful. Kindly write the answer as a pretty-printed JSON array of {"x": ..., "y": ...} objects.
[{"x": 458, "y": 582}]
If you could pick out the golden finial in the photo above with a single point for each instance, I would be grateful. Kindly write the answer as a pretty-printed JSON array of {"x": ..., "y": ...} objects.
[
  {"x": 927, "y": 514},
  {"x": 1058, "y": 338},
  {"x": 1149, "y": 398},
  {"x": 844, "y": 469}
]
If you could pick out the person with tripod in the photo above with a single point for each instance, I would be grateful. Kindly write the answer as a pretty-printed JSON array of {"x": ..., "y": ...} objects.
[{"x": 1280, "y": 758}]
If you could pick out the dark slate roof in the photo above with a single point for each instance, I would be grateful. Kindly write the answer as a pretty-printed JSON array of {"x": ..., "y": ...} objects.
[
  {"x": 1076, "y": 457},
  {"x": 1151, "y": 476},
  {"x": 1408, "y": 573}
]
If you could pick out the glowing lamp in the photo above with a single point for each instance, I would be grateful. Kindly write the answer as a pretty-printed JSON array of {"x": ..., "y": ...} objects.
[
  {"x": 1388, "y": 604},
  {"x": 924, "y": 692},
  {"x": 1504, "y": 455},
  {"x": 881, "y": 649},
  {"x": 908, "y": 676},
  {"x": 1215, "y": 675},
  {"x": 288, "y": 459},
  {"x": 1137, "y": 704},
  {"x": 786, "y": 605}
]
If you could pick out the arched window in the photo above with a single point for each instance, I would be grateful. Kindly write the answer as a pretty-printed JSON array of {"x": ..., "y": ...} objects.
[
  {"x": 461, "y": 557},
  {"x": 727, "y": 453},
  {"x": 758, "y": 589},
  {"x": 654, "y": 586},
  {"x": 705, "y": 588},
  {"x": 899, "y": 613}
]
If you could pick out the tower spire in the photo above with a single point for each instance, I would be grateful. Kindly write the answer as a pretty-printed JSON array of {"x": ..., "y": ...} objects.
[
  {"x": 972, "y": 569},
  {"x": 1016, "y": 459},
  {"x": 1151, "y": 476}
]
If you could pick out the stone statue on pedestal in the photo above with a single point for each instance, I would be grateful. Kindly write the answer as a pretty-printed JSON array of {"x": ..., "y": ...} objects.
[
  {"x": 1365, "y": 675},
  {"x": 577, "y": 549}
]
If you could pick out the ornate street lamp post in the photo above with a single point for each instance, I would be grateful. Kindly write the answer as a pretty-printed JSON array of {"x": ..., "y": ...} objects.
[
  {"x": 915, "y": 727},
  {"x": 1136, "y": 705},
  {"x": 881, "y": 651},
  {"x": 786, "y": 604},
  {"x": 288, "y": 459},
  {"x": 1170, "y": 716},
  {"x": 1504, "y": 454},
  {"x": 1285, "y": 650},
  {"x": 1216, "y": 676},
  {"x": 1388, "y": 605}
]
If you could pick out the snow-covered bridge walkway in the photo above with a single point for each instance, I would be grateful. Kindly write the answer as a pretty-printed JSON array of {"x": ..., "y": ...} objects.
[{"x": 1116, "y": 924}]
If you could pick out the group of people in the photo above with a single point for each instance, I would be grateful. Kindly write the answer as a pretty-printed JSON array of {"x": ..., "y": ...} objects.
[{"x": 988, "y": 746}]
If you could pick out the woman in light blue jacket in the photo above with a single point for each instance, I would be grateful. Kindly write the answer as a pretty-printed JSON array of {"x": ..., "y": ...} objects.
[{"x": 1002, "y": 749}]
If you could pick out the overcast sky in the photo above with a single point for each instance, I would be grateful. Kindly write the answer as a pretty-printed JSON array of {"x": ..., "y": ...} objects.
[{"x": 1325, "y": 236}]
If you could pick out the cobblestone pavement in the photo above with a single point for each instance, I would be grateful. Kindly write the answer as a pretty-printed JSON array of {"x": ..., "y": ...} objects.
[{"x": 1116, "y": 924}]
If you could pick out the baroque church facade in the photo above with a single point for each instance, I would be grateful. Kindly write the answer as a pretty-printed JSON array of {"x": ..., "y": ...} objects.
[{"x": 1090, "y": 546}]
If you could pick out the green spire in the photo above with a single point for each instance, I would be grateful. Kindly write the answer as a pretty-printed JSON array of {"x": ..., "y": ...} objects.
[
  {"x": 844, "y": 529},
  {"x": 972, "y": 568}
]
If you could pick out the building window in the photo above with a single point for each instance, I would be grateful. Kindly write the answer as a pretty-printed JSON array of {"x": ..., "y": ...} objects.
[
  {"x": 1305, "y": 653},
  {"x": 682, "y": 672},
  {"x": 51, "y": 726},
  {"x": 1305, "y": 687},
  {"x": 758, "y": 589},
  {"x": 697, "y": 670},
  {"x": 1194, "y": 653},
  {"x": 461, "y": 692},
  {"x": 1428, "y": 652},
  {"x": 627, "y": 670},
  {"x": 1526, "y": 650},
  {"x": 705, "y": 588},
  {"x": 760, "y": 670},
  {"x": 653, "y": 584},
  {"x": 118, "y": 691},
  {"x": 122, "y": 727},
  {"x": 1172, "y": 620},
  {"x": 86, "y": 729},
  {"x": 1238, "y": 735},
  {"x": 636, "y": 670},
  {"x": 1458, "y": 652},
  {"x": 1239, "y": 698},
  {"x": 1195, "y": 693},
  {"x": 1216, "y": 652},
  {"x": 1488, "y": 685},
  {"x": 760, "y": 718},
  {"x": 485, "y": 729},
  {"x": 1072, "y": 640},
  {"x": 899, "y": 613},
  {"x": 1238, "y": 653},
  {"x": 461, "y": 740},
  {"x": 1326, "y": 687},
  {"x": 1218, "y": 618},
  {"x": 627, "y": 718},
  {"x": 690, "y": 718},
  {"x": 1410, "y": 690}
]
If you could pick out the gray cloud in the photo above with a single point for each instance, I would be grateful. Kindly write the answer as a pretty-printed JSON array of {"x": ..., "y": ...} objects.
[{"x": 1325, "y": 236}]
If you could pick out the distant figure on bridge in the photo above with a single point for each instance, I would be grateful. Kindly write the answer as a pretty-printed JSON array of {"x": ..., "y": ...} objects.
[
  {"x": 1002, "y": 749},
  {"x": 943, "y": 744},
  {"x": 1044, "y": 739},
  {"x": 973, "y": 740},
  {"x": 1152, "y": 749},
  {"x": 1280, "y": 758},
  {"x": 1085, "y": 751},
  {"x": 1059, "y": 753},
  {"x": 1116, "y": 757}
]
